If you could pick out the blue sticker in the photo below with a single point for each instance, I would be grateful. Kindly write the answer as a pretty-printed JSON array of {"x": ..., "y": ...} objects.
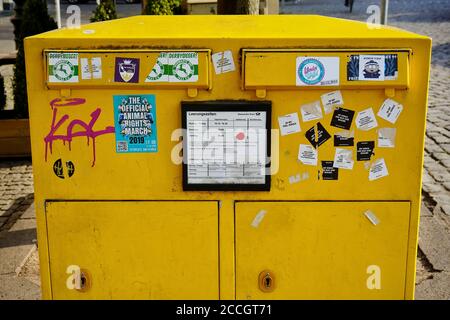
[{"x": 135, "y": 123}]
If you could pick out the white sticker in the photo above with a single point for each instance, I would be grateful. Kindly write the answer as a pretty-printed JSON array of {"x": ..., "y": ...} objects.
[
  {"x": 311, "y": 111},
  {"x": 174, "y": 67},
  {"x": 390, "y": 110},
  {"x": 331, "y": 100},
  {"x": 307, "y": 154},
  {"x": 371, "y": 67},
  {"x": 317, "y": 71},
  {"x": 365, "y": 120},
  {"x": 372, "y": 217},
  {"x": 63, "y": 67},
  {"x": 223, "y": 62},
  {"x": 85, "y": 69},
  {"x": 386, "y": 137},
  {"x": 96, "y": 65},
  {"x": 343, "y": 159},
  {"x": 258, "y": 218},
  {"x": 289, "y": 124},
  {"x": 378, "y": 170},
  {"x": 298, "y": 177}
]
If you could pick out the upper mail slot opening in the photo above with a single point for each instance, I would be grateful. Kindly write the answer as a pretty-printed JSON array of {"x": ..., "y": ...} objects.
[
  {"x": 128, "y": 69},
  {"x": 327, "y": 69}
]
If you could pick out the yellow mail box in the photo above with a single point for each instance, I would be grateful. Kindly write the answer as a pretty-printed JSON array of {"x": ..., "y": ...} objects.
[{"x": 227, "y": 157}]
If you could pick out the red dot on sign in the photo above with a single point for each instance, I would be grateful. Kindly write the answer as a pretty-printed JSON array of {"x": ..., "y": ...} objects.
[{"x": 240, "y": 136}]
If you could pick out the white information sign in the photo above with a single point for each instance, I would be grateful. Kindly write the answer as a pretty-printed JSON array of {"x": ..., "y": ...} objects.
[{"x": 226, "y": 147}]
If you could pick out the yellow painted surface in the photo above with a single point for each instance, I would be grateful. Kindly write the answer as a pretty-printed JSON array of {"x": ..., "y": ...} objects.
[
  {"x": 135, "y": 250},
  {"x": 321, "y": 250},
  {"x": 112, "y": 178}
]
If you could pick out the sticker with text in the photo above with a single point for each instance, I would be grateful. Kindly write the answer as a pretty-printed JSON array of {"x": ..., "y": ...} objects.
[
  {"x": 126, "y": 70},
  {"x": 372, "y": 70},
  {"x": 317, "y": 71},
  {"x": 289, "y": 124},
  {"x": 322, "y": 135},
  {"x": 135, "y": 123},
  {"x": 331, "y": 100},
  {"x": 63, "y": 67},
  {"x": 378, "y": 170},
  {"x": 91, "y": 68},
  {"x": 343, "y": 159},
  {"x": 365, "y": 120},
  {"x": 344, "y": 139},
  {"x": 364, "y": 150},
  {"x": 390, "y": 110},
  {"x": 174, "y": 67},
  {"x": 307, "y": 155},
  {"x": 342, "y": 118},
  {"x": 328, "y": 171},
  {"x": 223, "y": 62}
]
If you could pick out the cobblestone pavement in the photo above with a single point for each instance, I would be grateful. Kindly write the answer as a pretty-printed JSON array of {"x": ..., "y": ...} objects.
[{"x": 429, "y": 17}]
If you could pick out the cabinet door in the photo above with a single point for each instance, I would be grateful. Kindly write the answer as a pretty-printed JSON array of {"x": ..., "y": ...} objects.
[
  {"x": 321, "y": 250},
  {"x": 135, "y": 249}
]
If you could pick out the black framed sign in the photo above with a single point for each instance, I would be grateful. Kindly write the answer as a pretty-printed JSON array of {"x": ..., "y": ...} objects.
[{"x": 226, "y": 145}]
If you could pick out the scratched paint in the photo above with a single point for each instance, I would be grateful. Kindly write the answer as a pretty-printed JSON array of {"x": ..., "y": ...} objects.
[{"x": 87, "y": 127}]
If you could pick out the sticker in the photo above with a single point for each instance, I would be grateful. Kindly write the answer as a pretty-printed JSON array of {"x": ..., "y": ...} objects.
[
  {"x": 58, "y": 168},
  {"x": 92, "y": 70},
  {"x": 223, "y": 62},
  {"x": 322, "y": 133},
  {"x": 390, "y": 68},
  {"x": 390, "y": 110},
  {"x": 386, "y": 137},
  {"x": 317, "y": 71},
  {"x": 371, "y": 67},
  {"x": 184, "y": 66},
  {"x": 85, "y": 69},
  {"x": 307, "y": 155},
  {"x": 365, "y": 120},
  {"x": 364, "y": 150},
  {"x": 135, "y": 123},
  {"x": 378, "y": 170},
  {"x": 331, "y": 100},
  {"x": 96, "y": 67},
  {"x": 126, "y": 70},
  {"x": 289, "y": 124},
  {"x": 63, "y": 67},
  {"x": 328, "y": 171},
  {"x": 372, "y": 217},
  {"x": 258, "y": 218},
  {"x": 343, "y": 159},
  {"x": 344, "y": 139},
  {"x": 311, "y": 111},
  {"x": 299, "y": 177},
  {"x": 174, "y": 67},
  {"x": 342, "y": 118}
]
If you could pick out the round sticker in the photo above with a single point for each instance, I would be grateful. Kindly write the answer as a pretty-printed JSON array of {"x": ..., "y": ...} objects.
[
  {"x": 311, "y": 71},
  {"x": 63, "y": 70},
  {"x": 183, "y": 69}
]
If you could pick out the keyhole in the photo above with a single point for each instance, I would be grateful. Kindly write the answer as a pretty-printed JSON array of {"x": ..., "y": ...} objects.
[{"x": 268, "y": 281}]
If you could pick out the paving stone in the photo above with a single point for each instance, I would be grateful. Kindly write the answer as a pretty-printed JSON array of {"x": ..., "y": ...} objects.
[
  {"x": 434, "y": 241},
  {"x": 435, "y": 288},
  {"x": 17, "y": 288}
]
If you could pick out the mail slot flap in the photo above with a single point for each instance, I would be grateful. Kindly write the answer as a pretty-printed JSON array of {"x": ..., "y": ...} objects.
[
  {"x": 327, "y": 69},
  {"x": 128, "y": 68}
]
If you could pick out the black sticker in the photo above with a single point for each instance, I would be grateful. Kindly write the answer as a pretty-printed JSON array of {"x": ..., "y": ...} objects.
[
  {"x": 58, "y": 168},
  {"x": 364, "y": 150},
  {"x": 340, "y": 141},
  {"x": 322, "y": 133},
  {"x": 342, "y": 118},
  {"x": 328, "y": 171}
]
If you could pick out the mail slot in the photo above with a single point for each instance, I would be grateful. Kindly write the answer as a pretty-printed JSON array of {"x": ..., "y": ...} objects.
[{"x": 227, "y": 157}]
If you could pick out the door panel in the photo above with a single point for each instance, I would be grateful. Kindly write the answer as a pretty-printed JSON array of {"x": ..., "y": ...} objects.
[
  {"x": 322, "y": 250},
  {"x": 135, "y": 250}
]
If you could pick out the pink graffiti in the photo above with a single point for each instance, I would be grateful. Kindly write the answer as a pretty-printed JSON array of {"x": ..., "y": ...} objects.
[{"x": 87, "y": 128}]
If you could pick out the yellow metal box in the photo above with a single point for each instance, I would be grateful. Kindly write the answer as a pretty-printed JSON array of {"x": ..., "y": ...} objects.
[{"x": 227, "y": 157}]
